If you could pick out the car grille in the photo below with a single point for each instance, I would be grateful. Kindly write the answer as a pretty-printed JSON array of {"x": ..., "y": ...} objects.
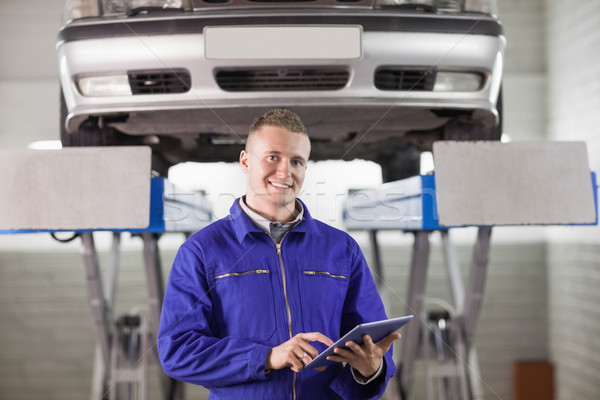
[
  {"x": 159, "y": 81},
  {"x": 390, "y": 78},
  {"x": 282, "y": 79},
  {"x": 199, "y": 4}
]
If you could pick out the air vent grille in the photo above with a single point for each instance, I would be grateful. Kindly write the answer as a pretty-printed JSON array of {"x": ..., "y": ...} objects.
[
  {"x": 390, "y": 78},
  {"x": 282, "y": 79},
  {"x": 159, "y": 81},
  {"x": 197, "y": 4}
]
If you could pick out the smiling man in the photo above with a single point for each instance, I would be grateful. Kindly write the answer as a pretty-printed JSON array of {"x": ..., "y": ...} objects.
[
  {"x": 253, "y": 297},
  {"x": 275, "y": 162}
]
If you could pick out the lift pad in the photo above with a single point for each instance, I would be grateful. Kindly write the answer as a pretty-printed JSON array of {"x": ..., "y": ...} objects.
[
  {"x": 532, "y": 183},
  {"x": 93, "y": 188},
  {"x": 484, "y": 184},
  {"x": 75, "y": 188}
]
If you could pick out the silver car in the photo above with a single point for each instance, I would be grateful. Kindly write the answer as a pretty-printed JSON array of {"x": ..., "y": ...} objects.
[{"x": 372, "y": 79}]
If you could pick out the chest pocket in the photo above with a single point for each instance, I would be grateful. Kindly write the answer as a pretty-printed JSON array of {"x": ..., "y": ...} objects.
[
  {"x": 243, "y": 303},
  {"x": 323, "y": 288}
]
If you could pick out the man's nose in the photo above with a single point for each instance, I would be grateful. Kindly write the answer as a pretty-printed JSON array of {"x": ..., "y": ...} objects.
[{"x": 283, "y": 168}]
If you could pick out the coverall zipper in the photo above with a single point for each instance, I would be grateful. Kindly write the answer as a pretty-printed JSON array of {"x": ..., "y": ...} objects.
[
  {"x": 287, "y": 305},
  {"x": 325, "y": 273},
  {"x": 256, "y": 271}
]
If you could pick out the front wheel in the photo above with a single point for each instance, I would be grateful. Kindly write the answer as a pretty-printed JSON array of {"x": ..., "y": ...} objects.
[
  {"x": 468, "y": 129},
  {"x": 90, "y": 133},
  {"x": 93, "y": 132},
  {"x": 400, "y": 164}
]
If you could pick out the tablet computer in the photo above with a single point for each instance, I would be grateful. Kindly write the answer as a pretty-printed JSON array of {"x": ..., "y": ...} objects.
[{"x": 378, "y": 330}]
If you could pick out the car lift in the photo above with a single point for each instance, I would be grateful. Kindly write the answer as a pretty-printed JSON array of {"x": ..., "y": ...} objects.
[
  {"x": 125, "y": 348},
  {"x": 454, "y": 338},
  {"x": 445, "y": 339}
]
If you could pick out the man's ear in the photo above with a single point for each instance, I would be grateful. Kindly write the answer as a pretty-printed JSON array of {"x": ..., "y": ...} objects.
[{"x": 244, "y": 161}]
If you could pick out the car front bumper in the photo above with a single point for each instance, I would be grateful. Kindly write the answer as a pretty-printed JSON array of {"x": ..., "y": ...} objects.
[{"x": 206, "y": 107}]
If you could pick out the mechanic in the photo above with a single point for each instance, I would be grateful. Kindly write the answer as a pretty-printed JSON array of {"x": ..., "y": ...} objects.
[{"x": 252, "y": 298}]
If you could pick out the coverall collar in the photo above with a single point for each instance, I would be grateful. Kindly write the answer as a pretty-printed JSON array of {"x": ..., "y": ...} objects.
[{"x": 243, "y": 225}]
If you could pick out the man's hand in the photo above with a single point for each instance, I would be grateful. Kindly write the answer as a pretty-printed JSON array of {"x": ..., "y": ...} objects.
[
  {"x": 365, "y": 359},
  {"x": 296, "y": 352}
]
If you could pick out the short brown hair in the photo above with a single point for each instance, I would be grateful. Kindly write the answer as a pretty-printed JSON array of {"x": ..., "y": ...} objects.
[{"x": 280, "y": 118}]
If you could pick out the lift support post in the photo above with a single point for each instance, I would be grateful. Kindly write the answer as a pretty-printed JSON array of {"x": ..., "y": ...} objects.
[{"x": 166, "y": 205}]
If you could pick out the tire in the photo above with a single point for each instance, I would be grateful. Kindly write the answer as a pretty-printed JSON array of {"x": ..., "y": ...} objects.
[
  {"x": 90, "y": 133},
  {"x": 401, "y": 164},
  {"x": 466, "y": 128}
]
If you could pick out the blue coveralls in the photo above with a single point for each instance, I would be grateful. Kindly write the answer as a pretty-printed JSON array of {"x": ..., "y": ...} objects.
[{"x": 233, "y": 294}]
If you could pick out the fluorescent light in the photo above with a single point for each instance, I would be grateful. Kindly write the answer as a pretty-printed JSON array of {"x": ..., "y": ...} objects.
[
  {"x": 426, "y": 163},
  {"x": 45, "y": 145},
  {"x": 104, "y": 85}
]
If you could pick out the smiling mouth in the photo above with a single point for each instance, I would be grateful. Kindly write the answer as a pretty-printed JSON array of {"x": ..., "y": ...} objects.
[{"x": 280, "y": 185}]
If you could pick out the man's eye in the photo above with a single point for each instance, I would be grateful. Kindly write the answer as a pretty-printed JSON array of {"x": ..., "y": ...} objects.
[
  {"x": 272, "y": 158},
  {"x": 296, "y": 163}
]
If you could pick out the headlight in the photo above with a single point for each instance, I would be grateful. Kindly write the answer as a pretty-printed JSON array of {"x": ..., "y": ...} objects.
[
  {"x": 76, "y": 9},
  {"x": 453, "y": 81},
  {"x": 120, "y": 7},
  {"x": 156, "y": 3},
  {"x": 104, "y": 85},
  {"x": 434, "y": 5},
  {"x": 482, "y": 6}
]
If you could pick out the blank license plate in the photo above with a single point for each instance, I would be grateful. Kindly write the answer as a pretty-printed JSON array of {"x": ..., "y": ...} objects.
[{"x": 283, "y": 42}]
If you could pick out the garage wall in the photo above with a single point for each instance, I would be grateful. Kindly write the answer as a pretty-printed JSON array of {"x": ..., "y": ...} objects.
[
  {"x": 29, "y": 89},
  {"x": 574, "y": 258},
  {"x": 47, "y": 336},
  {"x": 524, "y": 86}
]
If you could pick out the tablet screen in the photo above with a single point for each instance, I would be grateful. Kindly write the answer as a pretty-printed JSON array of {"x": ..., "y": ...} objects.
[{"x": 378, "y": 330}]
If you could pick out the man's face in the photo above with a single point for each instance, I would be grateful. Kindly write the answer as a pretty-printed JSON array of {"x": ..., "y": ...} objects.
[{"x": 275, "y": 163}]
